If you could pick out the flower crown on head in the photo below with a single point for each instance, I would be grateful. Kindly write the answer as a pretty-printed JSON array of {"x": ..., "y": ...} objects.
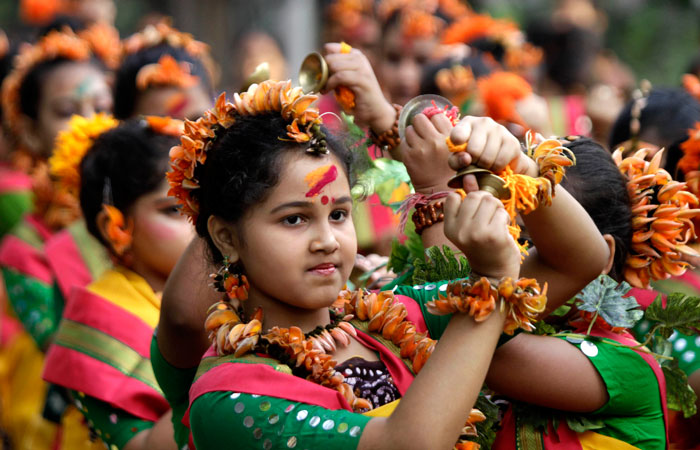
[
  {"x": 75, "y": 142},
  {"x": 662, "y": 213},
  {"x": 163, "y": 33},
  {"x": 72, "y": 145},
  {"x": 56, "y": 44},
  {"x": 266, "y": 97},
  {"x": 166, "y": 72}
]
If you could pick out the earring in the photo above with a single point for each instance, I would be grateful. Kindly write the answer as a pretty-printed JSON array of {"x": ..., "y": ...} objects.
[
  {"x": 119, "y": 237},
  {"x": 230, "y": 280}
]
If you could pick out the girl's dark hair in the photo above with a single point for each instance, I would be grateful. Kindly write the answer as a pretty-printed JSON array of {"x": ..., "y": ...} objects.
[
  {"x": 665, "y": 120},
  {"x": 597, "y": 184},
  {"x": 125, "y": 90},
  {"x": 244, "y": 164},
  {"x": 124, "y": 164},
  {"x": 61, "y": 22}
]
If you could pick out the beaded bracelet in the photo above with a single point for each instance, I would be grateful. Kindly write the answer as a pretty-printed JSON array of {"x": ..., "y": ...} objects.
[
  {"x": 521, "y": 300},
  {"x": 427, "y": 215},
  {"x": 389, "y": 139}
]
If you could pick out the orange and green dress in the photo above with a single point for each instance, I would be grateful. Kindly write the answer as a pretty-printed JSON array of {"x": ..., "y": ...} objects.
[
  {"x": 255, "y": 402},
  {"x": 101, "y": 355}
]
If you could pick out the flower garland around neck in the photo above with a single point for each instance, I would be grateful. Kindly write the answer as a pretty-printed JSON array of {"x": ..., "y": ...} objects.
[
  {"x": 65, "y": 44},
  {"x": 662, "y": 219},
  {"x": 304, "y": 127}
]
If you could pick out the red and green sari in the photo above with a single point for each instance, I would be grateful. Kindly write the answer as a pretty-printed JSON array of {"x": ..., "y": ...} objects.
[
  {"x": 15, "y": 197},
  {"x": 101, "y": 352}
]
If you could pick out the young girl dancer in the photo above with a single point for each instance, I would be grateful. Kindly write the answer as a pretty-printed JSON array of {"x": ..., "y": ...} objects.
[
  {"x": 294, "y": 216},
  {"x": 105, "y": 363},
  {"x": 597, "y": 184}
]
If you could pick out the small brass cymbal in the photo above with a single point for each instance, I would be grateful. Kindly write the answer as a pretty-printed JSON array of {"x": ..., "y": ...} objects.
[
  {"x": 313, "y": 73},
  {"x": 260, "y": 74},
  {"x": 487, "y": 181},
  {"x": 417, "y": 105}
]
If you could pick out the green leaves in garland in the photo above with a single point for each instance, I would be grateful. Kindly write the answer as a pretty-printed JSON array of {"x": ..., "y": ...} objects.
[
  {"x": 606, "y": 298},
  {"x": 488, "y": 428},
  {"x": 403, "y": 255},
  {"x": 679, "y": 395},
  {"x": 440, "y": 265},
  {"x": 682, "y": 312}
]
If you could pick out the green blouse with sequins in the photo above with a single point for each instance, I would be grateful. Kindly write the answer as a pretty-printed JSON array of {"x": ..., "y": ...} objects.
[
  {"x": 114, "y": 426},
  {"x": 231, "y": 420}
]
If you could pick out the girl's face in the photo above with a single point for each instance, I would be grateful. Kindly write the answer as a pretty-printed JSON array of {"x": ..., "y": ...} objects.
[
  {"x": 71, "y": 88},
  {"x": 401, "y": 65},
  {"x": 299, "y": 245},
  {"x": 175, "y": 102},
  {"x": 160, "y": 235}
]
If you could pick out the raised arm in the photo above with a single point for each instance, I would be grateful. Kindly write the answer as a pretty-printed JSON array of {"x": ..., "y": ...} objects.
[
  {"x": 187, "y": 296},
  {"x": 433, "y": 411},
  {"x": 569, "y": 251}
]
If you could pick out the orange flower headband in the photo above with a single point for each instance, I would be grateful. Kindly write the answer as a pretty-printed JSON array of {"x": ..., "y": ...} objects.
[
  {"x": 267, "y": 97},
  {"x": 56, "y": 44},
  {"x": 163, "y": 33},
  {"x": 75, "y": 142},
  {"x": 166, "y": 72},
  {"x": 662, "y": 213},
  {"x": 71, "y": 146}
]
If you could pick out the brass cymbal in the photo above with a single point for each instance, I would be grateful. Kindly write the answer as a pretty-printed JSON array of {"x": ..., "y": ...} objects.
[
  {"x": 487, "y": 181},
  {"x": 415, "y": 106},
  {"x": 313, "y": 73},
  {"x": 260, "y": 74}
]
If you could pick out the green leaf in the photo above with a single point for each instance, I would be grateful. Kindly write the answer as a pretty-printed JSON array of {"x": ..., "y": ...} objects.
[
  {"x": 606, "y": 297},
  {"x": 543, "y": 328},
  {"x": 440, "y": 264},
  {"x": 679, "y": 395},
  {"x": 581, "y": 424},
  {"x": 403, "y": 255},
  {"x": 382, "y": 177},
  {"x": 488, "y": 428},
  {"x": 682, "y": 313},
  {"x": 399, "y": 257}
]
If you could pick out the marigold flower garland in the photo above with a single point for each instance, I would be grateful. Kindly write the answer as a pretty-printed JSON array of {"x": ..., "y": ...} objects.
[
  {"x": 662, "y": 225},
  {"x": 522, "y": 301},
  {"x": 267, "y": 97}
]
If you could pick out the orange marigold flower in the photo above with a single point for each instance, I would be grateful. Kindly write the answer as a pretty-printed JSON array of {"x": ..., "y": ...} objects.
[{"x": 71, "y": 146}]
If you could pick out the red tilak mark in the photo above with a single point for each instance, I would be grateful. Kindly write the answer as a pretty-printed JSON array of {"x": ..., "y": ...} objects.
[
  {"x": 328, "y": 177},
  {"x": 324, "y": 200}
]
